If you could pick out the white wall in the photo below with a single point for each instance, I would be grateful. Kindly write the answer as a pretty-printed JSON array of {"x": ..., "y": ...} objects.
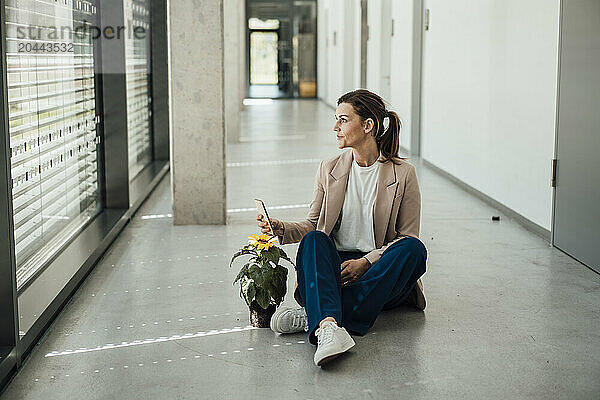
[
  {"x": 384, "y": 27},
  {"x": 337, "y": 59},
  {"x": 489, "y": 98},
  {"x": 350, "y": 51},
  {"x": 401, "y": 79},
  {"x": 379, "y": 21},
  {"x": 343, "y": 60},
  {"x": 336, "y": 51},
  {"x": 488, "y": 87},
  {"x": 374, "y": 45},
  {"x": 356, "y": 35}
]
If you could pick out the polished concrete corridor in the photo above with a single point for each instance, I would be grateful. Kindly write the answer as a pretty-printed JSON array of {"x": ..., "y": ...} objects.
[{"x": 508, "y": 316}]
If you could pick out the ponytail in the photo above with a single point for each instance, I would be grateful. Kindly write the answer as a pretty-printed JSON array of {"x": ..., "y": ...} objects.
[
  {"x": 369, "y": 105},
  {"x": 389, "y": 144}
]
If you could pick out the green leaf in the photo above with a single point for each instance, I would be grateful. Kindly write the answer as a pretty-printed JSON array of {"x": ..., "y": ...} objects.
[
  {"x": 283, "y": 286},
  {"x": 270, "y": 274},
  {"x": 262, "y": 298},
  {"x": 243, "y": 272},
  {"x": 277, "y": 291},
  {"x": 249, "y": 291},
  {"x": 263, "y": 275},
  {"x": 265, "y": 264},
  {"x": 271, "y": 255},
  {"x": 277, "y": 286},
  {"x": 270, "y": 281},
  {"x": 285, "y": 257},
  {"x": 255, "y": 272},
  {"x": 281, "y": 272},
  {"x": 245, "y": 250}
]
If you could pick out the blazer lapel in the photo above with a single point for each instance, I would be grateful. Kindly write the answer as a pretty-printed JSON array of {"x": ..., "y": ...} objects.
[
  {"x": 337, "y": 181},
  {"x": 386, "y": 189}
]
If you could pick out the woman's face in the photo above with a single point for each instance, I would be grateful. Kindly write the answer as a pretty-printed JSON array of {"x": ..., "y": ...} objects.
[{"x": 350, "y": 130}]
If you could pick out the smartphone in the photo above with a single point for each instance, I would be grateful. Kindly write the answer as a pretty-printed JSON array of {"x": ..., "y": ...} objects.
[{"x": 260, "y": 207}]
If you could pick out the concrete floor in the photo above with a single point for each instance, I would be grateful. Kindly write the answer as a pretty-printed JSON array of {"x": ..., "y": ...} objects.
[{"x": 508, "y": 317}]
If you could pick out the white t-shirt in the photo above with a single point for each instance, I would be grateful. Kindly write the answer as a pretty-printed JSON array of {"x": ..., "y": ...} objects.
[{"x": 356, "y": 230}]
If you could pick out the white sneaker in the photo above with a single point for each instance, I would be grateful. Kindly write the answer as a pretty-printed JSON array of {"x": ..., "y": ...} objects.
[
  {"x": 332, "y": 341},
  {"x": 289, "y": 320}
]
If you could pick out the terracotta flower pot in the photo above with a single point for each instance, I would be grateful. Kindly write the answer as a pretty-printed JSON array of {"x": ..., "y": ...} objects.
[{"x": 259, "y": 317}]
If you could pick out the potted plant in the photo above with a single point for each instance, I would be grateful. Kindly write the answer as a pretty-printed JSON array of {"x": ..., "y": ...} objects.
[{"x": 263, "y": 281}]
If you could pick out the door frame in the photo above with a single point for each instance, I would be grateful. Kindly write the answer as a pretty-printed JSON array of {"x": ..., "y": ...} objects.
[
  {"x": 556, "y": 111},
  {"x": 364, "y": 37},
  {"x": 582, "y": 255},
  {"x": 417, "y": 72}
]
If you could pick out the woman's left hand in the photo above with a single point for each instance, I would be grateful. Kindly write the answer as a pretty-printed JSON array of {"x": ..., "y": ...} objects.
[{"x": 352, "y": 270}]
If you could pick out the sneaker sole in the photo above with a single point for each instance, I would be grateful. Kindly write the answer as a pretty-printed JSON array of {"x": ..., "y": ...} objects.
[
  {"x": 327, "y": 359},
  {"x": 272, "y": 327},
  {"x": 279, "y": 331},
  {"x": 276, "y": 330},
  {"x": 350, "y": 344}
]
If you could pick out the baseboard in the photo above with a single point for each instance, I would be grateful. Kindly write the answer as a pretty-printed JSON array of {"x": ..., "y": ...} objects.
[
  {"x": 326, "y": 103},
  {"x": 404, "y": 152},
  {"x": 512, "y": 214},
  {"x": 8, "y": 366}
]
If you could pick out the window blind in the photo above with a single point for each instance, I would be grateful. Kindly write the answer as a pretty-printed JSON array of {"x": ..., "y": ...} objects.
[
  {"x": 137, "y": 64},
  {"x": 52, "y": 125}
]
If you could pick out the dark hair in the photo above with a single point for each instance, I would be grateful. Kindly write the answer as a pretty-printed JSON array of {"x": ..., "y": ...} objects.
[{"x": 369, "y": 105}]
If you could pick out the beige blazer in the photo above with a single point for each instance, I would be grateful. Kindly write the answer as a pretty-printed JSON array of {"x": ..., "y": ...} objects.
[
  {"x": 396, "y": 214},
  {"x": 397, "y": 210}
]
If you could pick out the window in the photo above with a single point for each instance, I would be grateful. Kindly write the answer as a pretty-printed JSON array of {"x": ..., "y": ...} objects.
[
  {"x": 52, "y": 125},
  {"x": 137, "y": 64},
  {"x": 263, "y": 58}
]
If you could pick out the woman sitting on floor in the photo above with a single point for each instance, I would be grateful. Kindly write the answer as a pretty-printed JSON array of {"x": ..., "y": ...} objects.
[{"x": 359, "y": 250}]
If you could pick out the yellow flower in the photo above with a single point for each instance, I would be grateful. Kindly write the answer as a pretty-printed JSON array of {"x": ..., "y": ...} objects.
[{"x": 262, "y": 242}]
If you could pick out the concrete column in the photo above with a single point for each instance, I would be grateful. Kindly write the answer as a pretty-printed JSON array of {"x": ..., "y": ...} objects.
[
  {"x": 243, "y": 76},
  {"x": 197, "y": 131},
  {"x": 233, "y": 67}
]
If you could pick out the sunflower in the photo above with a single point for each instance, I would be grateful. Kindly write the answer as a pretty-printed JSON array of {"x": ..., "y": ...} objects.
[{"x": 262, "y": 242}]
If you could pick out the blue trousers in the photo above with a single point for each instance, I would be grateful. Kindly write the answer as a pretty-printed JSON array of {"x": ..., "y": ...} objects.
[{"x": 355, "y": 306}]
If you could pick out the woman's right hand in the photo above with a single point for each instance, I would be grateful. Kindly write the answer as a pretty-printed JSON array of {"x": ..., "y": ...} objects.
[{"x": 264, "y": 226}]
